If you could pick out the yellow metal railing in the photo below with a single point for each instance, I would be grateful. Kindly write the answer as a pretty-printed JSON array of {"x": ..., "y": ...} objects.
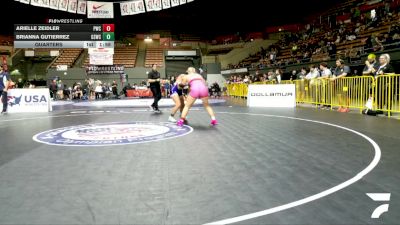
[
  {"x": 351, "y": 92},
  {"x": 347, "y": 92},
  {"x": 387, "y": 93},
  {"x": 236, "y": 90}
]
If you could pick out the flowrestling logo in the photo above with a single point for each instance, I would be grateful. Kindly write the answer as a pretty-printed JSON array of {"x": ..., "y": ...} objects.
[{"x": 106, "y": 134}]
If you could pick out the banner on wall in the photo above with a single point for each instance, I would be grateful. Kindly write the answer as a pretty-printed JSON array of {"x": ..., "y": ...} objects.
[
  {"x": 101, "y": 70},
  {"x": 133, "y": 7},
  {"x": 101, "y": 59},
  {"x": 45, "y": 3},
  {"x": 35, "y": 3},
  {"x": 125, "y": 8},
  {"x": 140, "y": 6},
  {"x": 280, "y": 95},
  {"x": 100, "y": 10},
  {"x": 29, "y": 100},
  {"x": 101, "y": 56},
  {"x": 54, "y": 4},
  {"x": 81, "y": 7},
  {"x": 72, "y": 6},
  {"x": 95, "y": 9},
  {"x": 166, "y": 4},
  {"x": 149, "y": 5},
  {"x": 157, "y": 5},
  {"x": 63, "y": 5},
  {"x": 174, "y": 3},
  {"x": 40, "y": 3}
]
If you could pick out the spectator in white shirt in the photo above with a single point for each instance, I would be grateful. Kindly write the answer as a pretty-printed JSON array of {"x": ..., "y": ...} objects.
[
  {"x": 98, "y": 91},
  {"x": 278, "y": 75},
  {"x": 314, "y": 73},
  {"x": 325, "y": 71}
]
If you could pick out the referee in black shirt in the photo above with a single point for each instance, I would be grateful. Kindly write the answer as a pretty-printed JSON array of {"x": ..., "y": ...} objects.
[{"x": 154, "y": 81}]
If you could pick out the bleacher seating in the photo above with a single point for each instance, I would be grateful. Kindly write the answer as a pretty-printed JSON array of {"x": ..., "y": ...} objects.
[
  {"x": 340, "y": 7},
  {"x": 6, "y": 40},
  {"x": 189, "y": 37},
  {"x": 126, "y": 56},
  {"x": 344, "y": 49},
  {"x": 154, "y": 56},
  {"x": 67, "y": 57},
  {"x": 44, "y": 51}
]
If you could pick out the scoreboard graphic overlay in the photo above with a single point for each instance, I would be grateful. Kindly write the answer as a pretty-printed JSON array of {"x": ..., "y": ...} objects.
[{"x": 64, "y": 36}]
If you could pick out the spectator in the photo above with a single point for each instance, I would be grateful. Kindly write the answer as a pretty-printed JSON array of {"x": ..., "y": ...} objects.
[
  {"x": 115, "y": 89},
  {"x": 370, "y": 65},
  {"x": 77, "y": 91},
  {"x": 5, "y": 81},
  {"x": 293, "y": 76},
  {"x": 325, "y": 71},
  {"x": 324, "y": 95},
  {"x": 376, "y": 43},
  {"x": 278, "y": 75},
  {"x": 20, "y": 83},
  {"x": 302, "y": 74},
  {"x": 342, "y": 71},
  {"x": 387, "y": 41},
  {"x": 98, "y": 91},
  {"x": 271, "y": 75},
  {"x": 215, "y": 90},
  {"x": 384, "y": 66},
  {"x": 166, "y": 88},
  {"x": 53, "y": 89},
  {"x": 126, "y": 88},
  {"x": 313, "y": 74}
]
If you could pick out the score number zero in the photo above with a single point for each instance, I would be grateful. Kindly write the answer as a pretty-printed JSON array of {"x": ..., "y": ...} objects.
[
  {"x": 104, "y": 28},
  {"x": 108, "y": 36}
]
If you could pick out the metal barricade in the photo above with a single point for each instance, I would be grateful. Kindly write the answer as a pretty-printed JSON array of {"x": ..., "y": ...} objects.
[
  {"x": 305, "y": 91},
  {"x": 351, "y": 92},
  {"x": 236, "y": 90},
  {"x": 387, "y": 93},
  {"x": 347, "y": 92}
]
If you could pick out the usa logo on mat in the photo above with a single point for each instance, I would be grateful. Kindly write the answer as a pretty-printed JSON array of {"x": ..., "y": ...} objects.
[{"x": 106, "y": 134}]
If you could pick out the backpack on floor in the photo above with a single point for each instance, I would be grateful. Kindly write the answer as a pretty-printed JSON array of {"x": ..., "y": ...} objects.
[{"x": 369, "y": 112}]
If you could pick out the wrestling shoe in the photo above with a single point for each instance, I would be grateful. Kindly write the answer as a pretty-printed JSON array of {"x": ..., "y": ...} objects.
[
  {"x": 171, "y": 119},
  {"x": 180, "y": 122},
  {"x": 214, "y": 122}
]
